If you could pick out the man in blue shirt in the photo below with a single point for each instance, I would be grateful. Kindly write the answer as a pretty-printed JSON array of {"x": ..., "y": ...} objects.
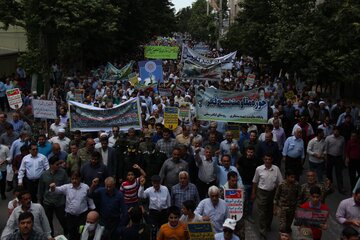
[
  {"x": 294, "y": 153},
  {"x": 44, "y": 146},
  {"x": 111, "y": 205},
  {"x": 223, "y": 169}
]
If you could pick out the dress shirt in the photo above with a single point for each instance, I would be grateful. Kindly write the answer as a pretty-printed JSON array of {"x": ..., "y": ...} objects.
[
  {"x": 225, "y": 146},
  {"x": 335, "y": 146},
  {"x": 347, "y": 210},
  {"x": 279, "y": 133},
  {"x": 221, "y": 173},
  {"x": 217, "y": 214},
  {"x": 267, "y": 179},
  {"x": 206, "y": 167},
  {"x": 170, "y": 170},
  {"x": 180, "y": 195},
  {"x": 166, "y": 146},
  {"x": 41, "y": 223},
  {"x": 316, "y": 146},
  {"x": 294, "y": 148},
  {"x": 77, "y": 200},
  {"x": 64, "y": 143},
  {"x": 4, "y": 155},
  {"x": 18, "y": 125},
  {"x": 104, "y": 155},
  {"x": 111, "y": 208},
  {"x": 158, "y": 200},
  {"x": 326, "y": 128},
  {"x": 15, "y": 148},
  {"x": 32, "y": 167}
]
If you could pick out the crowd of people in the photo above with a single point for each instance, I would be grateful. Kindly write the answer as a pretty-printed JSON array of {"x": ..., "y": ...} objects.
[{"x": 149, "y": 183}]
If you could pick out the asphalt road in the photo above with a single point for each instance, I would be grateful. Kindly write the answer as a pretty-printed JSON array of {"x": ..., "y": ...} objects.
[{"x": 333, "y": 231}]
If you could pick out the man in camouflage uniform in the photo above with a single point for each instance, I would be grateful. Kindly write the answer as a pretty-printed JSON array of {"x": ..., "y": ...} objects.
[
  {"x": 287, "y": 199},
  {"x": 86, "y": 152},
  {"x": 311, "y": 181}
]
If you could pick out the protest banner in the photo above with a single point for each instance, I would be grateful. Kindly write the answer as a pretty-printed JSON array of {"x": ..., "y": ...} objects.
[
  {"x": 161, "y": 52},
  {"x": 44, "y": 109},
  {"x": 151, "y": 72},
  {"x": 189, "y": 54},
  {"x": 112, "y": 74},
  {"x": 310, "y": 217},
  {"x": 201, "y": 48},
  {"x": 192, "y": 70},
  {"x": 200, "y": 231},
  {"x": 229, "y": 106},
  {"x": 171, "y": 116},
  {"x": 184, "y": 113},
  {"x": 235, "y": 129},
  {"x": 89, "y": 119},
  {"x": 234, "y": 199},
  {"x": 14, "y": 98}
]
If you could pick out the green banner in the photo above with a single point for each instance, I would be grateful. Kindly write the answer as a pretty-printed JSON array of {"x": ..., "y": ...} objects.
[{"x": 161, "y": 52}]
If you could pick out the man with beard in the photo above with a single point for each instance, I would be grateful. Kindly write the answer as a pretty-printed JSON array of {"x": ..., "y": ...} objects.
[{"x": 26, "y": 231}]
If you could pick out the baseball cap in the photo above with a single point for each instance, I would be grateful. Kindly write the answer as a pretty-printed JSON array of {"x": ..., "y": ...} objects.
[{"x": 229, "y": 223}]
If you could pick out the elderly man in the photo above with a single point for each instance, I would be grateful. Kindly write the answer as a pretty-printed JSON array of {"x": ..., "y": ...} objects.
[
  {"x": 32, "y": 167},
  {"x": 40, "y": 223},
  {"x": 26, "y": 231},
  {"x": 92, "y": 229},
  {"x": 206, "y": 174},
  {"x": 225, "y": 145},
  {"x": 294, "y": 153},
  {"x": 183, "y": 191},
  {"x": 171, "y": 168},
  {"x": 56, "y": 151},
  {"x": 213, "y": 209},
  {"x": 311, "y": 181},
  {"x": 61, "y": 139},
  {"x": 111, "y": 205}
]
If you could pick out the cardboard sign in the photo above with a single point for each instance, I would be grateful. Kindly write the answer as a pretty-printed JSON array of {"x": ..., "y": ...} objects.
[
  {"x": 250, "y": 80},
  {"x": 234, "y": 199},
  {"x": 200, "y": 231},
  {"x": 310, "y": 217},
  {"x": 14, "y": 98},
  {"x": 161, "y": 52},
  {"x": 44, "y": 109},
  {"x": 171, "y": 116},
  {"x": 184, "y": 113}
]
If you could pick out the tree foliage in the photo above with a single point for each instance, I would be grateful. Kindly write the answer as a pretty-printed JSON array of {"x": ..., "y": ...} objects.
[
  {"x": 319, "y": 41},
  {"x": 84, "y": 32}
]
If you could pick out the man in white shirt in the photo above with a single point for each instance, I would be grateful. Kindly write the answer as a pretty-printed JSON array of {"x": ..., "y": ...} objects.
[
  {"x": 32, "y": 167},
  {"x": 56, "y": 126},
  {"x": 77, "y": 203},
  {"x": 62, "y": 140},
  {"x": 267, "y": 177},
  {"x": 316, "y": 151},
  {"x": 159, "y": 200}
]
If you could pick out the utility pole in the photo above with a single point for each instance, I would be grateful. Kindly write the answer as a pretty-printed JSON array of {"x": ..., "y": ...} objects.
[{"x": 220, "y": 25}]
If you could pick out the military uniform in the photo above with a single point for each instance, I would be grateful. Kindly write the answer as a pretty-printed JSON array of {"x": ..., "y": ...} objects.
[
  {"x": 305, "y": 192},
  {"x": 287, "y": 199},
  {"x": 84, "y": 154}
]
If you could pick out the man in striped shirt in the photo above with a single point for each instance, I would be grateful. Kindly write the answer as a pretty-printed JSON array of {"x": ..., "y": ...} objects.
[{"x": 130, "y": 187}]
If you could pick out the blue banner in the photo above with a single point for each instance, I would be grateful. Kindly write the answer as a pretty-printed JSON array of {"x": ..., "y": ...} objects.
[{"x": 151, "y": 72}]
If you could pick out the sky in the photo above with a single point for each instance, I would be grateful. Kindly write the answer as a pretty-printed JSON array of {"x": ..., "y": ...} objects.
[{"x": 179, "y": 4}]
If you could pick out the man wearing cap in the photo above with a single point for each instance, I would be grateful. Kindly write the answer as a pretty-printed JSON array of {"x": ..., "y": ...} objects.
[
  {"x": 159, "y": 200},
  {"x": 32, "y": 167},
  {"x": 228, "y": 231},
  {"x": 61, "y": 139}
]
